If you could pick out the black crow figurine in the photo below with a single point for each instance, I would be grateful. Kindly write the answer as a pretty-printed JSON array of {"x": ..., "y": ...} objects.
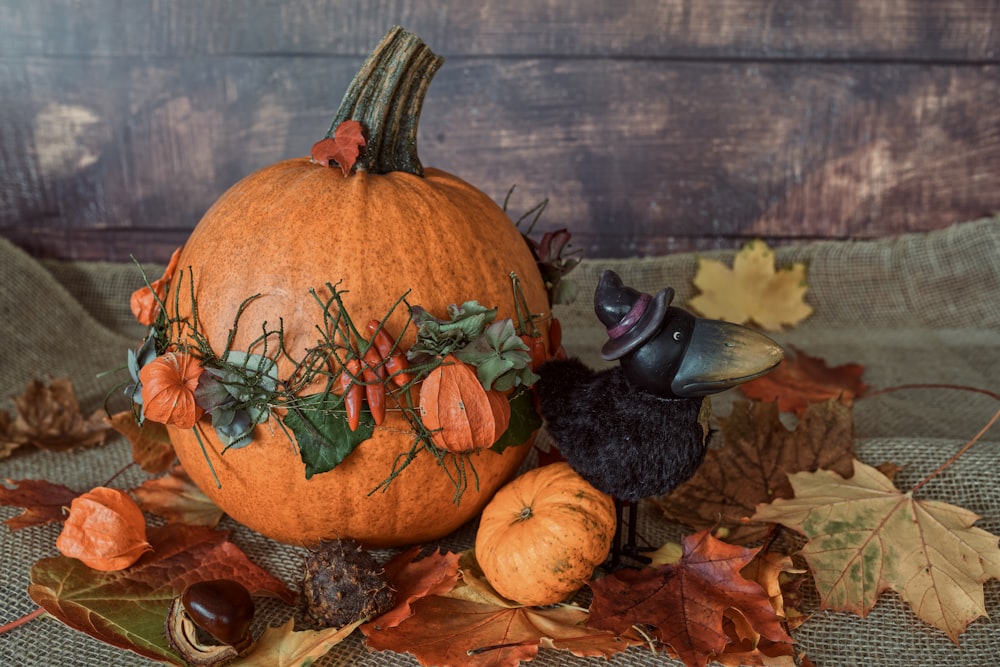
[{"x": 633, "y": 431}]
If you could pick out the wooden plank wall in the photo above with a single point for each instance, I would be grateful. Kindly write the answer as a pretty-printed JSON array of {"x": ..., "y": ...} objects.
[{"x": 651, "y": 126}]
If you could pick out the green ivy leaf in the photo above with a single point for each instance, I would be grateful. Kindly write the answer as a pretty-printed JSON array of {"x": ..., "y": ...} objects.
[
  {"x": 319, "y": 423},
  {"x": 524, "y": 420}
]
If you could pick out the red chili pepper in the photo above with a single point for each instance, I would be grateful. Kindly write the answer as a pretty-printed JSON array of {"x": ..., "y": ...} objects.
[
  {"x": 353, "y": 392},
  {"x": 395, "y": 361},
  {"x": 374, "y": 362},
  {"x": 555, "y": 336},
  {"x": 539, "y": 355},
  {"x": 375, "y": 393}
]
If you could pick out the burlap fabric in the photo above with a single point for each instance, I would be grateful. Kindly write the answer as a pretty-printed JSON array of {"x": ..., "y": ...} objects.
[{"x": 917, "y": 309}]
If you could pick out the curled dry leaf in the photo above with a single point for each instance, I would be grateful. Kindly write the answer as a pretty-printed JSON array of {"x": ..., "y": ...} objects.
[
  {"x": 168, "y": 384},
  {"x": 178, "y": 500},
  {"x": 10, "y": 437},
  {"x": 49, "y": 417},
  {"x": 151, "y": 447},
  {"x": 342, "y": 149},
  {"x": 105, "y": 530},
  {"x": 282, "y": 646},
  {"x": 752, "y": 290}
]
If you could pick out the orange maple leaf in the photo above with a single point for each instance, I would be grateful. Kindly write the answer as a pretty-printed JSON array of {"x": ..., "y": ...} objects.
[
  {"x": 178, "y": 500},
  {"x": 342, "y": 148},
  {"x": 413, "y": 578},
  {"x": 801, "y": 379},
  {"x": 686, "y": 603},
  {"x": 151, "y": 447}
]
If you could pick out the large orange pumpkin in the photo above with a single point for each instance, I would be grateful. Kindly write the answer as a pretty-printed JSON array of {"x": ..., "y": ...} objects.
[
  {"x": 388, "y": 229},
  {"x": 543, "y": 534}
]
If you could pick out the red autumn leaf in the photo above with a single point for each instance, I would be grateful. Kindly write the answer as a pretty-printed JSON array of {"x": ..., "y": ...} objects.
[
  {"x": 342, "y": 148},
  {"x": 449, "y": 631},
  {"x": 686, "y": 603},
  {"x": 127, "y": 609},
  {"x": 801, "y": 379},
  {"x": 151, "y": 447},
  {"x": 412, "y": 579},
  {"x": 43, "y": 502}
]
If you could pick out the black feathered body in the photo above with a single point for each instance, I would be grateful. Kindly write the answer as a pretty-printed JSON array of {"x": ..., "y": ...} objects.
[{"x": 627, "y": 442}]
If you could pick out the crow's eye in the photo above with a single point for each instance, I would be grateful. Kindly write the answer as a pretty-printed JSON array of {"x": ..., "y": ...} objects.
[{"x": 677, "y": 335}]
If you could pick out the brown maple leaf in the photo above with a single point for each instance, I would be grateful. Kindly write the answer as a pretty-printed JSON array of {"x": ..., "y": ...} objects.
[
  {"x": 413, "y": 578},
  {"x": 865, "y": 537},
  {"x": 178, "y": 500},
  {"x": 752, "y": 289},
  {"x": 127, "y": 609},
  {"x": 49, "y": 417},
  {"x": 801, "y": 379},
  {"x": 342, "y": 148},
  {"x": 43, "y": 502},
  {"x": 151, "y": 447},
  {"x": 685, "y": 604},
  {"x": 753, "y": 464}
]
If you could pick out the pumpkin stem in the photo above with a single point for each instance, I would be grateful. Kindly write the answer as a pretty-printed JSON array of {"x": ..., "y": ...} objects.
[{"x": 386, "y": 97}]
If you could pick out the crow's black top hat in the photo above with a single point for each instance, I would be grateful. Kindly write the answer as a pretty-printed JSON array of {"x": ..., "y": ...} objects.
[{"x": 630, "y": 316}]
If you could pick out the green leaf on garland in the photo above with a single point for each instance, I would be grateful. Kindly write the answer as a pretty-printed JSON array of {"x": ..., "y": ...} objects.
[
  {"x": 524, "y": 420},
  {"x": 319, "y": 423}
]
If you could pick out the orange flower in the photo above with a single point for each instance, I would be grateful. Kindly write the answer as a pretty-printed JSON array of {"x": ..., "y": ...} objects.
[
  {"x": 145, "y": 301},
  {"x": 105, "y": 530},
  {"x": 168, "y": 384}
]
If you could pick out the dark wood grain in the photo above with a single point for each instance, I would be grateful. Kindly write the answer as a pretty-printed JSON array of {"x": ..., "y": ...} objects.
[{"x": 651, "y": 127}]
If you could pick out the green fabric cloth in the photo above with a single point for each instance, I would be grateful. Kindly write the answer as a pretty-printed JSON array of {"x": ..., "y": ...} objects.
[{"x": 917, "y": 309}]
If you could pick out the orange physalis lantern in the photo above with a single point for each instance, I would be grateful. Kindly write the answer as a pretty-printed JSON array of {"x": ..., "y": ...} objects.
[
  {"x": 168, "y": 384},
  {"x": 105, "y": 530},
  {"x": 461, "y": 415}
]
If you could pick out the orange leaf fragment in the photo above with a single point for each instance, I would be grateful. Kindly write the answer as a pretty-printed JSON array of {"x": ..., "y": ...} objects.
[
  {"x": 151, "y": 446},
  {"x": 145, "y": 301},
  {"x": 413, "y": 578},
  {"x": 801, "y": 379},
  {"x": 178, "y": 500},
  {"x": 342, "y": 148},
  {"x": 105, "y": 530},
  {"x": 168, "y": 384}
]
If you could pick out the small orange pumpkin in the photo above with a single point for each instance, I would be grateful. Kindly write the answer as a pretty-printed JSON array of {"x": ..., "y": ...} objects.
[
  {"x": 389, "y": 228},
  {"x": 461, "y": 414},
  {"x": 543, "y": 535}
]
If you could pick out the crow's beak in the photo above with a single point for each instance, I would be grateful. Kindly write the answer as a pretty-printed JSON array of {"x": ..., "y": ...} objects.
[{"x": 722, "y": 355}]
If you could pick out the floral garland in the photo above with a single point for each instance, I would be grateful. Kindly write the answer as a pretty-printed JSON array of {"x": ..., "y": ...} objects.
[{"x": 178, "y": 379}]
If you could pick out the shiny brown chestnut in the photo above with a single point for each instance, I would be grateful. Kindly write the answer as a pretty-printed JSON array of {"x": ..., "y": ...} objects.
[{"x": 223, "y": 609}]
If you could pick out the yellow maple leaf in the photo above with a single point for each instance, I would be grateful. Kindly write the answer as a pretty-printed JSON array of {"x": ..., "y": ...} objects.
[
  {"x": 866, "y": 537},
  {"x": 752, "y": 290}
]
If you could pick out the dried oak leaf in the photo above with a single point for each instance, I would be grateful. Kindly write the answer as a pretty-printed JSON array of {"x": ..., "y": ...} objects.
[
  {"x": 753, "y": 464},
  {"x": 801, "y": 379},
  {"x": 49, "y": 417},
  {"x": 127, "y": 609},
  {"x": 43, "y": 502},
  {"x": 865, "y": 537},
  {"x": 151, "y": 447},
  {"x": 342, "y": 148},
  {"x": 282, "y": 646},
  {"x": 685, "y": 604},
  {"x": 178, "y": 500},
  {"x": 752, "y": 290},
  {"x": 413, "y": 578}
]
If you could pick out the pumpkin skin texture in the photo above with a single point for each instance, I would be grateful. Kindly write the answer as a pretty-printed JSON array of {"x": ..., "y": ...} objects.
[
  {"x": 543, "y": 535},
  {"x": 297, "y": 225}
]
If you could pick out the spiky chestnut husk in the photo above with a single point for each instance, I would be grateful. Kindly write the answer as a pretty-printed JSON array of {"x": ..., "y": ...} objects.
[{"x": 343, "y": 583}]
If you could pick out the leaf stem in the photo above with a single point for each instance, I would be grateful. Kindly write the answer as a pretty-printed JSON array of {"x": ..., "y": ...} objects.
[
  {"x": 941, "y": 468},
  {"x": 24, "y": 620}
]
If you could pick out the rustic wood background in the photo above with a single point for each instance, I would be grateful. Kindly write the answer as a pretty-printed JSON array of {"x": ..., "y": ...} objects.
[{"x": 651, "y": 126}]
